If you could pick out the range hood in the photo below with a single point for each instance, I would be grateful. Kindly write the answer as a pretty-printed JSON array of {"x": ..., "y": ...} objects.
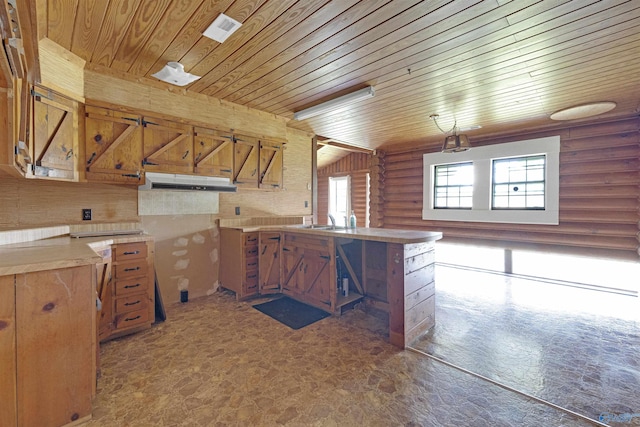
[{"x": 173, "y": 181}]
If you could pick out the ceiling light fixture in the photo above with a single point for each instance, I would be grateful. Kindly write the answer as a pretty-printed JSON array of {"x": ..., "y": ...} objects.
[
  {"x": 174, "y": 73},
  {"x": 222, "y": 28},
  {"x": 336, "y": 103},
  {"x": 583, "y": 111},
  {"x": 455, "y": 142}
]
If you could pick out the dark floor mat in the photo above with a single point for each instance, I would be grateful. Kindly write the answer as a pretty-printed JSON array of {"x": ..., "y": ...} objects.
[{"x": 292, "y": 313}]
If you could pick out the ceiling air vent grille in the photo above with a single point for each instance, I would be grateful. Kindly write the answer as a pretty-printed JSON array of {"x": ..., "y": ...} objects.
[{"x": 222, "y": 28}]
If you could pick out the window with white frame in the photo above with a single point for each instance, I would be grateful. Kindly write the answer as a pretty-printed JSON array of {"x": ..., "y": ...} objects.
[
  {"x": 453, "y": 186},
  {"x": 516, "y": 182}
]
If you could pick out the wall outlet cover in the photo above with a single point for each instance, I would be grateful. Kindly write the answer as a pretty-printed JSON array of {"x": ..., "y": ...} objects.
[{"x": 86, "y": 214}]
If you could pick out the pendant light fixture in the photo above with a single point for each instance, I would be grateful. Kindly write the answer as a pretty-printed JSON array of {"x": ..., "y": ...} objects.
[{"x": 455, "y": 142}]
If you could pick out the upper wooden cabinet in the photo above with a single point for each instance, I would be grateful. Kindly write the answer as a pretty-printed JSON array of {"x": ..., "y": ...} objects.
[
  {"x": 246, "y": 160},
  {"x": 54, "y": 133},
  {"x": 168, "y": 146},
  {"x": 213, "y": 152},
  {"x": 271, "y": 161},
  {"x": 15, "y": 113},
  {"x": 113, "y": 146}
]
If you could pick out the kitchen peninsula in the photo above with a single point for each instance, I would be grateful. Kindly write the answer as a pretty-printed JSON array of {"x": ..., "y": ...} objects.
[{"x": 391, "y": 270}]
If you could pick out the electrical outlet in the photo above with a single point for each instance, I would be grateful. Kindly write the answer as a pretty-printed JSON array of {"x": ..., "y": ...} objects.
[
  {"x": 237, "y": 210},
  {"x": 306, "y": 203},
  {"x": 86, "y": 214}
]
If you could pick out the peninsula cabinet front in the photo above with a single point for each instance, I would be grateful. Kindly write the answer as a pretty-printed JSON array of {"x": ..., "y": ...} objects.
[{"x": 47, "y": 351}]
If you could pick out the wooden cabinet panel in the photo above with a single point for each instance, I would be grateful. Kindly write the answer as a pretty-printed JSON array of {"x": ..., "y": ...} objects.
[
  {"x": 130, "y": 305},
  {"x": 239, "y": 262},
  {"x": 168, "y": 146},
  {"x": 113, "y": 146},
  {"x": 54, "y": 135},
  {"x": 55, "y": 329},
  {"x": 308, "y": 269},
  {"x": 8, "y": 415},
  {"x": 246, "y": 158},
  {"x": 269, "y": 262},
  {"x": 213, "y": 153},
  {"x": 271, "y": 161}
]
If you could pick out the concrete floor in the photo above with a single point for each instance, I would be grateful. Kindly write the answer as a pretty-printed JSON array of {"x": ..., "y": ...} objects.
[{"x": 218, "y": 362}]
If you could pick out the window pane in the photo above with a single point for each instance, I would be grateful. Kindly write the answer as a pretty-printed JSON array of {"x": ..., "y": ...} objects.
[
  {"x": 519, "y": 183},
  {"x": 453, "y": 186}
]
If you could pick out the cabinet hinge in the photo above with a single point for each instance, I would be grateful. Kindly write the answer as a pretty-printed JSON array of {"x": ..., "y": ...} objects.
[
  {"x": 145, "y": 123},
  {"x": 39, "y": 95},
  {"x": 137, "y": 121}
]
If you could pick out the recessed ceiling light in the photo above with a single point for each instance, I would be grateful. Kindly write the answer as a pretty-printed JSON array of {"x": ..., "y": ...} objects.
[
  {"x": 582, "y": 111},
  {"x": 221, "y": 28}
]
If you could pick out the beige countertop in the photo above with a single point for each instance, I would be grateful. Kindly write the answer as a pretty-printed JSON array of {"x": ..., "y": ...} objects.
[
  {"x": 361, "y": 233},
  {"x": 58, "y": 252}
]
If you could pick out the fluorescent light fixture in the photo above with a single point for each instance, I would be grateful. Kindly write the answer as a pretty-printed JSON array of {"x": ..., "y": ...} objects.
[
  {"x": 221, "y": 28},
  {"x": 336, "y": 103},
  {"x": 174, "y": 73}
]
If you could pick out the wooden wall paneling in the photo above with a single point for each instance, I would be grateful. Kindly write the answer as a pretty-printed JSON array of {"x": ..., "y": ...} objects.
[
  {"x": 61, "y": 70},
  {"x": 8, "y": 415},
  {"x": 599, "y": 194},
  {"x": 323, "y": 200},
  {"x": 118, "y": 91},
  {"x": 35, "y": 203}
]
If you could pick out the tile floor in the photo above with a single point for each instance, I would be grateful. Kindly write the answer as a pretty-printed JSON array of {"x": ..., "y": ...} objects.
[{"x": 218, "y": 362}]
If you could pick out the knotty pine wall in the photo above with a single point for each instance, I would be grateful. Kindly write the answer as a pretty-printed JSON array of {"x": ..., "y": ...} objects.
[
  {"x": 599, "y": 193},
  {"x": 357, "y": 166}
]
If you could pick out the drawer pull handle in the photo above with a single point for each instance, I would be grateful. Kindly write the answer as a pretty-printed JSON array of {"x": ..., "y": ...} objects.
[
  {"x": 132, "y": 253},
  {"x": 132, "y": 286},
  {"x": 131, "y": 303},
  {"x": 275, "y": 238},
  {"x": 132, "y": 269},
  {"x": 264, "y": 250},
  {"x": 252, "y": 264},
  {"x": 253, "y": 276},
  {"x": 128, "y": 319}
]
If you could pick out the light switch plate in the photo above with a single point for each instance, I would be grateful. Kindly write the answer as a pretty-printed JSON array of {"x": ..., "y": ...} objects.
[{"x": 86, "y": 214}]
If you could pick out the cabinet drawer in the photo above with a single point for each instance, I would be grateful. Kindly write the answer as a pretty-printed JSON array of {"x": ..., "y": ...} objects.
[
  {"x": 127, "y": 287},
  {"x": 251, "y": 264},
  {"x": 135, "y": 268},
  {"x": 130, "y": 319},
  {"x": 250, "y": 284},
  {"x": 132, "y": 303},
  {"x": 251, "y": 251},
  {"x": 250, "y": 238},
  {"x": 127, "y": 251}
]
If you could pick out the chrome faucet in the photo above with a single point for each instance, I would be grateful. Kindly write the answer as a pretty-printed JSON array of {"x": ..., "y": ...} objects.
[{"x": 333, "y": 221}]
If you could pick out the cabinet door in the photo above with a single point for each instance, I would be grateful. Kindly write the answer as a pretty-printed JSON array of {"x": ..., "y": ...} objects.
[
  {"x": 105, "y": 293},
  {"x": 246, "y": 157},
  {"x": 168, "y": 146},
  {"x": 269, "y": 262},
  {"x": 7, "y": 351},
  {"x": 213, "y": 153},
  {"x": 113, "y": 146},
  {"x": 55, "y": 330},
  {"x": 292, "y": 269},
  {"x": 54, "y": 135},
  {"x": 271, "y": 158},
  {"x": 317, "y": 275}
]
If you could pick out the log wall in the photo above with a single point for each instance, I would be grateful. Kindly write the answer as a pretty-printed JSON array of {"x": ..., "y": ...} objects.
[
  {"x": 599, "y": 193},
  {"x": 357, "y": 166}
]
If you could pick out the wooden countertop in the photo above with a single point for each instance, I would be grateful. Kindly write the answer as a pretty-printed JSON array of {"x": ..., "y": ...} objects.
[
  {"x": 59, "y": 252},
  {"x": 361, "y": 233}
]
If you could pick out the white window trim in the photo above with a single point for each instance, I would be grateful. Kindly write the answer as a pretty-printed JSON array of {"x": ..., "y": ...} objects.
[{"x": 482, "y": 158}]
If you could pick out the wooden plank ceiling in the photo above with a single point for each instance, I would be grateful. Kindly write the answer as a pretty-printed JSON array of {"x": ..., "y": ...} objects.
[{"x": 500, "y": 64}]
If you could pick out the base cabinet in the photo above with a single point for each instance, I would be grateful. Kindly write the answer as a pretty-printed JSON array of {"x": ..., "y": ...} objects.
[
  {"x": 239, "y": 262},
  {"x": 128, "y": 303},
  {"x": 47, "y": 352},
  {"x": 269, "y": 263}
]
